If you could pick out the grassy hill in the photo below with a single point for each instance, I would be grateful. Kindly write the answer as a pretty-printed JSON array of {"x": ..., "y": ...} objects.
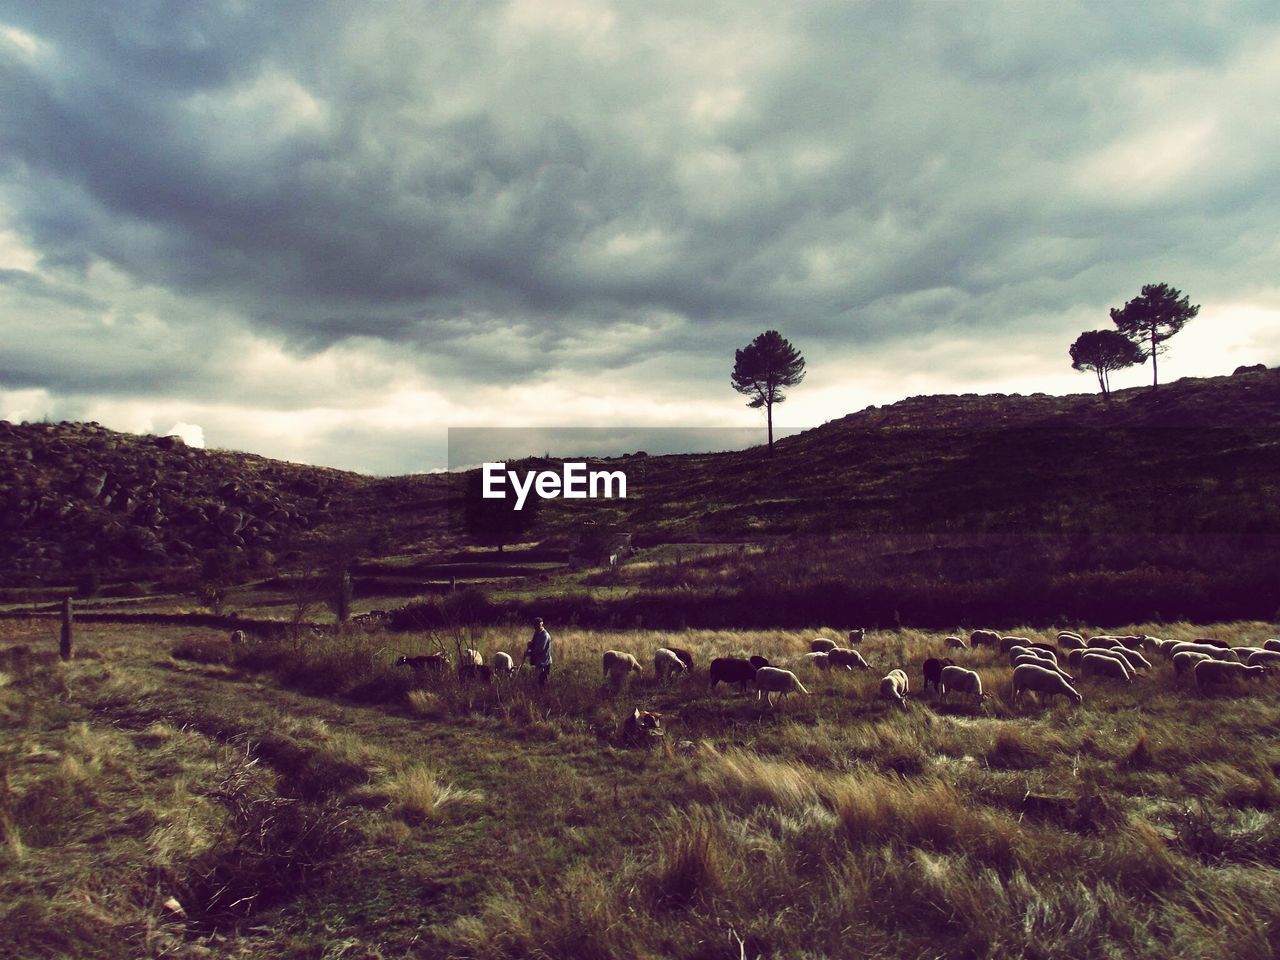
[{"x": 933, "y": 510}]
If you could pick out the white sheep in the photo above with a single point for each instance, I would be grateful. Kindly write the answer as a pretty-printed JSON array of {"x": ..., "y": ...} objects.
[
  {"x": 1041, "y": 651},
  {"x": 1100, "y": 665},
  {"x": 472, "y": 658},
  {"x": 1244, "y": 653},
  {"x": 979, "y": 637},
  {"x": 818, "y": 659},
  {"x": 502, "y": 665},
  {"x": 895, "y": 687},
  {"x": 237, "y": 638},
  {"x": 771, "y": 680},
  {"x": 618, "y": 665},
  {"x": 1135, "y": 659},
  {"x": 667, "y": 664},
  {"x": 1103, "y": 642},
  {"x": 1272, "y": 644},
  {"x": 955, "y": 643},
  {"x": 857, "y": 636},
  {"x": 960, "y": 680},
  {"x": 1213, "y": 651},
  {"x": 1209, "y": 672},
  {"x": 822, "y": 645},
  {"x": 1070, "y": 639},
  {"x": 1187, "y": 659},
  {"x": 1041, "y": 680},
  {"x": 1006, "y": 643},
  {"x": 1262, "y": 658},
  {"x": 1022, "y": 659},
  {"x": 847, "y": 659}
]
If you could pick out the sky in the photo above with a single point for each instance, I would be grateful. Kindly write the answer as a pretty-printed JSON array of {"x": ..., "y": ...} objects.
[{"x": 328, "y": 232}]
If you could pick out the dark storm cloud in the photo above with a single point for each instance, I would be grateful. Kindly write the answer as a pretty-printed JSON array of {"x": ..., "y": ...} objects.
[{"x": 506, "y": 193}]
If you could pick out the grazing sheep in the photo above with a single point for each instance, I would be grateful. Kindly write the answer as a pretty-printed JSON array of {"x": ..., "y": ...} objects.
[
  {"x": 1135, "y": 660},
  {"x": 1212, "y": 649},
  {"x": 1020, "y": 651},
  {"x": 1131, "y": 642},
  {"x": 771, "y": 680},
  {"x": 978, "y": 638},
  {"x": 960, "y": 680},
  {"x": 1070, "y": 639},
  {"x": 1103, "y": 642},
  {"x": 1271, "y": 644},
  {"x": 618, "y": 666},
  {"x": 1209, "y": 672},
  {"x": 932, "y": 670},
  {"x": 955, "y": 643},
  {"x": 1048, "y": 648},
  {"x": 847, "y": 659},
  {"x": 503, "y": 665},
  {"x": 1101, "y": 665},
  {"x": 428, "y": 663},
  {"x": 1159, "y": 646},
  {"x": 666, "y": 664},
  {"x": 1184, "y": 661},
  {"x": 237, "y": 638},
  {"x": 641, "y": 725},
  {"x": 685, "y": 657},
  {"x": 1006, "y": 643},
  {"x": 822, "y": 645},
  {"x": 758, "y": 662},
  {"x": 895, "y": 687},
  {"x": 731, "y": 670},
  {"x": 1211, "y": 642},
  {"x": 1263, "y": 658},
  {"x": 1038, "y": 662},
  {"x": 1040, "y": 680},
  {"x": 474, "y": 657},
  {"x": 817, "y": 659}
]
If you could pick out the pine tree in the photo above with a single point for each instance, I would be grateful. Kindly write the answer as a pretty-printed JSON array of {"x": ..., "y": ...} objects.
[{"x": 762, "y": 368}]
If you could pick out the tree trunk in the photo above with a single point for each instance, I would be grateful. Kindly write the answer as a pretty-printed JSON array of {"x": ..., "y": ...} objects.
[
  {"x": 1155, "y": 374},
  {"x": 769, "y": 414}
]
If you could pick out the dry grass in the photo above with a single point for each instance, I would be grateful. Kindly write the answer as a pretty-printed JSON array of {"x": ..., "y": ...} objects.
[{"x": 508, "y": 821}]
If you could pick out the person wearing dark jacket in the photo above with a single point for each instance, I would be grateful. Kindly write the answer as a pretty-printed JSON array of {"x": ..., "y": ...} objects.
[{"x": 538, "y": 652}]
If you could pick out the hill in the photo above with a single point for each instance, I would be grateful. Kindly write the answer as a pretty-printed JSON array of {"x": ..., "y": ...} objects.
[
  {"x": 80, "y": 497},
  {"x": 956, "y": 497}
]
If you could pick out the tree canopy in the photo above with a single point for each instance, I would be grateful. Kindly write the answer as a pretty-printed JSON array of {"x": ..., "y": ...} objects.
[
  {"x": 1103, "y": 351},
  {"x": 1153, "y": 317},
  {"x": 762, "y": 368},
  {"x": 495, "y": 522}
]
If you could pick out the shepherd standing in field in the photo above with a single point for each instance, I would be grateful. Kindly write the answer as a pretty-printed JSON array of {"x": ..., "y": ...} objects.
[{"x": 538, "y": 653}]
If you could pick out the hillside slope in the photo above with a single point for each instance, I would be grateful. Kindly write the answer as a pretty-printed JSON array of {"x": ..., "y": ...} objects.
[
  {"x": 1198, "y": 456},
  {"x": 77, "y": 496}
]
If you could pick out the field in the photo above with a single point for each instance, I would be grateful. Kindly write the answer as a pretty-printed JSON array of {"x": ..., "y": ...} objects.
[{"x": 168, "y": 794}]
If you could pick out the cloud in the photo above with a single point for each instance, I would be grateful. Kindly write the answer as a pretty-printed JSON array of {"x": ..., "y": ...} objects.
[{"x": 358, "y": 222}]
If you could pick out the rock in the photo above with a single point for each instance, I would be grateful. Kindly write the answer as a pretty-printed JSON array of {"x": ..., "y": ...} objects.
[
  {"x": 91, "y": 485},
  {"x": 1255, "y": 368}
]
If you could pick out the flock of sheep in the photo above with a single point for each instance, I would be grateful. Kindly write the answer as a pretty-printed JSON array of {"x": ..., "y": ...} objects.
[{"x": 1038, "y": 667}]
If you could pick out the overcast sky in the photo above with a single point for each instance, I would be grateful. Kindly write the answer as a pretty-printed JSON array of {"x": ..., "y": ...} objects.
[{"x": 327, "y": 232}]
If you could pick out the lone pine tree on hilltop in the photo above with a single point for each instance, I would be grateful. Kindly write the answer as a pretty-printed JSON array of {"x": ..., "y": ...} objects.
[
  {"x": 762, "y": 368},
  {"x": 1152, "y": 318}
]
